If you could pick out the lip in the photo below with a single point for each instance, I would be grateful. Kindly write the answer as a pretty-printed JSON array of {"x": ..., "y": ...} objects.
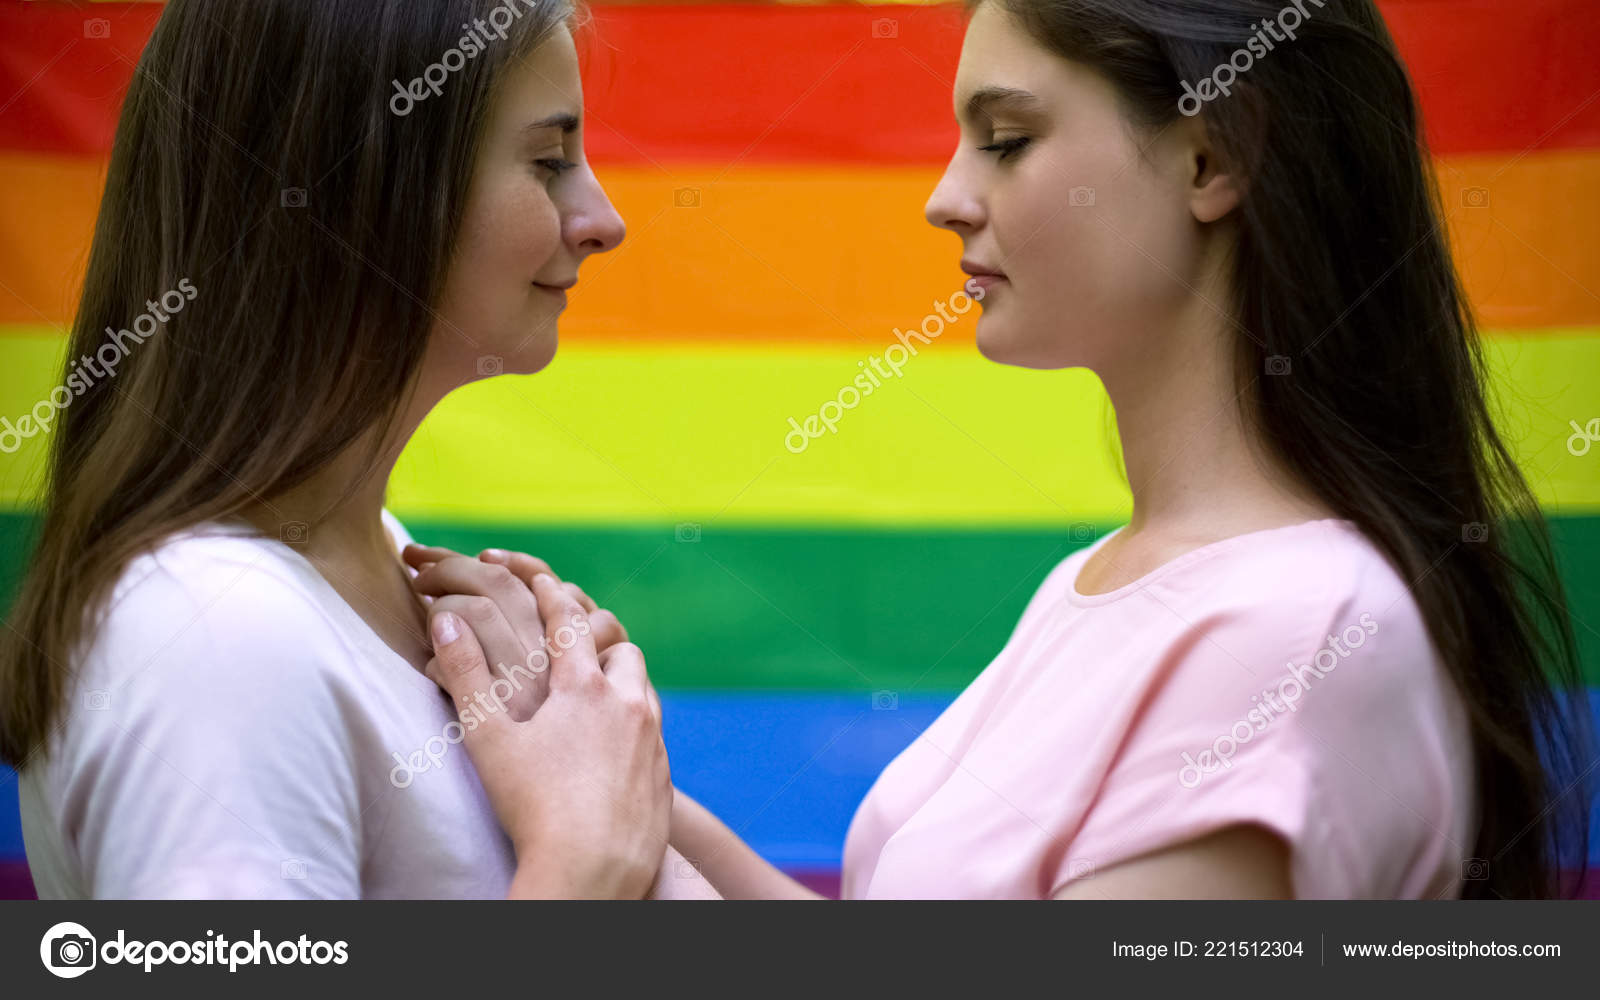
[
  {"x": 983, "y": 277},
  {"x": 559, "y": 291}
]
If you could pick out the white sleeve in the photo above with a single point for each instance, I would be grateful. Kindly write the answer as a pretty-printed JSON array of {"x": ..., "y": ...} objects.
[{"x": 210, "y": 753}]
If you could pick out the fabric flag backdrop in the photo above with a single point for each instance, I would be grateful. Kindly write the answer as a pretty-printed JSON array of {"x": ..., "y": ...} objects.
[{"x": 806, "y": 611}]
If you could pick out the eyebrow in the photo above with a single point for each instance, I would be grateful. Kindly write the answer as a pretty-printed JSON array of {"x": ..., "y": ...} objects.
[
  {"x": 562, "y": 120},
  {"x": 985, "y": 97}
]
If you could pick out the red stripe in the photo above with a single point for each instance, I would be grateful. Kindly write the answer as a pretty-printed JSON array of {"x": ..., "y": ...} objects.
[
  {"x": 1502, "y": 76},
  {"x": 62, "y": 79},
  {"x": 780, "y": 84}
]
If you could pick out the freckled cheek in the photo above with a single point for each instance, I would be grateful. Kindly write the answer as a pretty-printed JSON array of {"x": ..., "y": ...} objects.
[
  {"x": 531, "y": 228},
  {"x": 512, "y": 237}
]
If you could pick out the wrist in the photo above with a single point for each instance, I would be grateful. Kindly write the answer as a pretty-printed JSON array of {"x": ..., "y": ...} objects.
[
  {"x": 552, "y": 878},
  {"x": 536, "y": 881}
]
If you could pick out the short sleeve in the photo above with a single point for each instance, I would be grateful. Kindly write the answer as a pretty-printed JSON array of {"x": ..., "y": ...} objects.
[
  {"x": 211, "y": 753},
  {"x": 1323, "y": 724}
]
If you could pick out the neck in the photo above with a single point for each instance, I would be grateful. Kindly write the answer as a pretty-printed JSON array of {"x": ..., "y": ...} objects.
[
  {"x": 341, "y": 504},
  {"x": 1193, "y": 465}
]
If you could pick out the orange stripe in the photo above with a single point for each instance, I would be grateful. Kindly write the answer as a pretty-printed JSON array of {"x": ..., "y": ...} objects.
[
  {"x": 842, "y": 255},
  {"x": 48, "y": 206},
  {"x": 1523, "y": 234}
]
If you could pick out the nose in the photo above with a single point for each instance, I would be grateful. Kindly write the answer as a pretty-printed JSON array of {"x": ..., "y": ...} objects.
[
  {"x": 592, "y": 224},
  {"x": 954, "y": 204}
]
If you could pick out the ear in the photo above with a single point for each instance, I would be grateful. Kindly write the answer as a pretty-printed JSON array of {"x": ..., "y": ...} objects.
[{"x": 1215, "y": 187}]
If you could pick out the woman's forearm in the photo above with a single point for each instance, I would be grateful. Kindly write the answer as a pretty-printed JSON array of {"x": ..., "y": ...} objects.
[{"x": 725, "y": 861}]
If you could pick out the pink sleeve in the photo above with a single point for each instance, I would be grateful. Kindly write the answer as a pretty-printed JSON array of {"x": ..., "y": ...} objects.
[{"x": 1238, "y": 724}]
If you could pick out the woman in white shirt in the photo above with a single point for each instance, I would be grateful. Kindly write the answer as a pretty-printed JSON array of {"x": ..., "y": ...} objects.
[{"x": 319, "y": 219}]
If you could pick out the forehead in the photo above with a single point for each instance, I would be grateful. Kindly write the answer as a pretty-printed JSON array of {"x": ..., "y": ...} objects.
[
  {"x": 998, "y": 55},
  {"x": 994, "y": 51},
  {"x": 545, "y": 80}
]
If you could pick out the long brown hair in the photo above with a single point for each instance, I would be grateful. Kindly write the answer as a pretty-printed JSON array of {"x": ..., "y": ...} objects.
[
  {"x": 279, "y": 179},
  {"x": 1363, "y": 372}
]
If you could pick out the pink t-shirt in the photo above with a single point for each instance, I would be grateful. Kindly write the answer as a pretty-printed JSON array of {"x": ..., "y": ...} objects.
[{"x": 1281, "y": 677}]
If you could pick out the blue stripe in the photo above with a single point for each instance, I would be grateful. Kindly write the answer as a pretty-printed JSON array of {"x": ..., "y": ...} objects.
[{"x": 785, "y": 770}]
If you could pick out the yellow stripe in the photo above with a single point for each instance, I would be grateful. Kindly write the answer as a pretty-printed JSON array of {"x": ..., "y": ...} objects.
[{"x": 696, "y": 432}]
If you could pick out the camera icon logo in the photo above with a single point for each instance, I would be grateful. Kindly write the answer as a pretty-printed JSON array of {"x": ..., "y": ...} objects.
[
  {"x": 295, "y": 532},
  {"x": 687, "y": 532},
  {"x": 292, "y": 868},
  {"x": 96, "y": 700},
  {"x": 96, "y": 27},
  {"x": 68, "y": 950},
  {"x": 686, "y": 197},
  {"x": 1278, "y": 364},
  {"x": 885, "y": 27},
  {"x": 1080, "y": 196},
  {"x": 293, "y": 198},
  {"x": 1474, "y": 869},
  {"x": 885, "y": 701},
  {"x": 1475, "y": 197},
  {"x": 491, "y": 365},
  {"x": 1475, "y": 531}
]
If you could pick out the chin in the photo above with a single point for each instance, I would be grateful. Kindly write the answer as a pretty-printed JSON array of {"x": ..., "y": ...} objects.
[
  {"x": 533, "y": 357},
  {"x": 512, "y": 355},
  {"x": 1011, "y": 347}
]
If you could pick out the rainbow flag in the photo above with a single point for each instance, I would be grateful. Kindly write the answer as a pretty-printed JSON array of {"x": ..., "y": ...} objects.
[{"x": 809, "y": 605}]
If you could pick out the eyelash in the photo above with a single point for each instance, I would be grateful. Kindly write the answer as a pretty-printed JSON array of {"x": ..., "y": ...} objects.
[
  {"x": 1006, "y": 147},
  {"x": 557, "y": 167}
]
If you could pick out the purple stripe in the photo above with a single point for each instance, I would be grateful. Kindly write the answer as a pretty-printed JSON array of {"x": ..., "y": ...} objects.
[{"x": 15, "y": 883}]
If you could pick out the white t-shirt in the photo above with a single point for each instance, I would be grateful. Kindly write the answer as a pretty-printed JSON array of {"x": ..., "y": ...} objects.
[{"x": 236, "y": 731}]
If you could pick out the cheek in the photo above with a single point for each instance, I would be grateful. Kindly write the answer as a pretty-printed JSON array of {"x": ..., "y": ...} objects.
[
  {"x": 508, "y": 234},
  {"x": 1095, "y": 252}
]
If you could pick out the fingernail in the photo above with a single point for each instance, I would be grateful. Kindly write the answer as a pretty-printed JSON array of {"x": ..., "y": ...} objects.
[
  {"x": 445, "y": 629},
  {"x": 546, "y": 577},
  {"x": 494, "y": 555}
]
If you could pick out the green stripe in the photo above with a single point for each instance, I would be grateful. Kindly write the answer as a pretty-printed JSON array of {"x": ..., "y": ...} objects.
[{"x": 840, "y": 609}]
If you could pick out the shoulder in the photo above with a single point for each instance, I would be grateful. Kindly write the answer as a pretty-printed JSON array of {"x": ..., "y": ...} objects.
[
  {"x": 1301, "y": 644},
  {"x": 231, "y": 600},
  {"x": 1286, "y": 595},
  {"x": 1286, "y": 679}
]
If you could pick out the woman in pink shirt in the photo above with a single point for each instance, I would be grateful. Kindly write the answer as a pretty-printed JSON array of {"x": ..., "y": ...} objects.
[
  {"x": 1325, "y": 656},
  {"x": 1308, "y": 666}
]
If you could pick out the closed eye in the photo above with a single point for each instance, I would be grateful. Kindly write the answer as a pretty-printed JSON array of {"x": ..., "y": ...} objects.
[
  {"x": 1006, "y": 147},
  {"x": 555, "y": 165}
]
